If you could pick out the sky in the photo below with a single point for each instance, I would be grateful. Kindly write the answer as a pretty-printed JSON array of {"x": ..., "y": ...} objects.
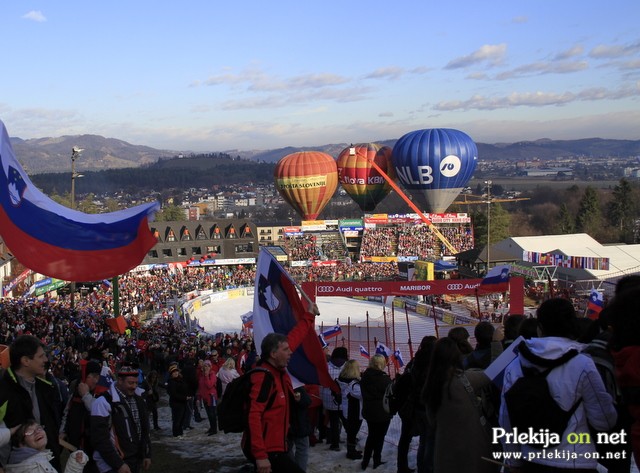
[{"x": 252, "y": 75}]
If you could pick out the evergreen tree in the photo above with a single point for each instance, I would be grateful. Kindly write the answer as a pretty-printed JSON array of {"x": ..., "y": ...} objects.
[
  {"x": 566, "y": 222},
  {"x": 588, "y": 218},
  {"x": 622, "y": 209}
]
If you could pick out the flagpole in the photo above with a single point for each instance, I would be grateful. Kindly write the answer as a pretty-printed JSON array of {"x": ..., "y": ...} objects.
[
  {"x": 409, "y": 332},
  {"x": 435, "y": 319},
  {"x": 386, "y": 336},
  {"x": 368, "y": 344},
  {"x": 116, "y": 296},
  {"x": 349, "y": 332},
  {"x": 393, "y": 325},
  {"x": 478, "y": 304}
]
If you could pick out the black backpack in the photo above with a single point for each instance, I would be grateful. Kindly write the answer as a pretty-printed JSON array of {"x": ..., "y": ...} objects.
[
  {"x": 233, "y": 407},
  {"x": 397, "y": 393},
  {"x": 529, "y": 401}
]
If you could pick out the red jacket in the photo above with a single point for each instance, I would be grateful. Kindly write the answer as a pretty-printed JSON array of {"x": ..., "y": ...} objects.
[{"x": 268, "y": 416}]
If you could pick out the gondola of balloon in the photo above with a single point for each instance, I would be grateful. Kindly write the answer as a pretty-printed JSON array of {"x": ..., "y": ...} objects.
[{"x": 433, "y": 165}]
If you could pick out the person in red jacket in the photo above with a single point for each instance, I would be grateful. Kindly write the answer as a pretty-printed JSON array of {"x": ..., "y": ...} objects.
[
  {"x": 265, "y": 440},
  {"x": 208, "y": 393}
]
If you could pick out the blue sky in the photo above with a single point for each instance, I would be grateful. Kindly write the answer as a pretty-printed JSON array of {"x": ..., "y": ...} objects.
[{"x": 213, "y": 76}]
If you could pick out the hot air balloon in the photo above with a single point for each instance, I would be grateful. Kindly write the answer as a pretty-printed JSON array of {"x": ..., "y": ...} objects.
[
  {"x": 360, "y": 179},
  {"x": 307, "y": 180},
  {"x": 435, "y": 164}
]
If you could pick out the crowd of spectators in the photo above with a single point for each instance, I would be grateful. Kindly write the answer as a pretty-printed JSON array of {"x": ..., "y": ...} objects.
[
  {"x": 340, "y": 271},
  {"x": 414, "y": 240},
  {"x": 301, "y": 248}
]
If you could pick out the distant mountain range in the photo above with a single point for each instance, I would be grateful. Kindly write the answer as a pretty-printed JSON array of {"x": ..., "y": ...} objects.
[{"x": 40, "y": 155}]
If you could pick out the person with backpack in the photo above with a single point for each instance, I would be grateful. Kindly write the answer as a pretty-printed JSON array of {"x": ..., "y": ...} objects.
[
  {"x": 550, "y": 387},
  {"x": 349, "y": 382},
  {"x": 373, "y": 385},
  {"x": 271, "y": 395},
  {"x": 488, "y": 346},
  {"x": 450, "y": 395},
  {"x": 412, "y": 411}
]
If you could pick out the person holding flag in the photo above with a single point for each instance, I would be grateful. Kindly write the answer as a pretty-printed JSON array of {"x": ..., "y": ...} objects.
[{"x": 264, "y": 440}]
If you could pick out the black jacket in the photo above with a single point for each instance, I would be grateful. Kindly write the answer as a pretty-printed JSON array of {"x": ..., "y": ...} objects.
[
  {"x": 373, "y": 385},
  {"x": 133, "y": 445},
  {"x": 16, "y": 408}
]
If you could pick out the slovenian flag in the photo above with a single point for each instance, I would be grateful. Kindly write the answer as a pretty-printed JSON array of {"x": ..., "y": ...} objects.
[
  {"x": 104, "y": 381},
  {"x": 364, "y": 352},
  {"x": 383, "y": 350},
  {"x": 397, "y": 359},
  {"x": 497, "y": 279},
  {"x": 247, "y": 320},
  {"x": 277, "y": 308},
  {"x": 596, "y": 304},
  {"x": 332, "y": 332},
  {"x": 58, "y": 242}
]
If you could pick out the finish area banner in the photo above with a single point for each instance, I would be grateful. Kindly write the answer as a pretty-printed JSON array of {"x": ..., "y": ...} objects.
[
  {"x": 411, "y": 288},
  {"x": 398, "y": 288}
]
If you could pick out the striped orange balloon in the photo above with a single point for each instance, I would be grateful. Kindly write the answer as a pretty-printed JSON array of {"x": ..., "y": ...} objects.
[
  {"x": 307, "y": 180},
  {"x": 360, "y": 179}
]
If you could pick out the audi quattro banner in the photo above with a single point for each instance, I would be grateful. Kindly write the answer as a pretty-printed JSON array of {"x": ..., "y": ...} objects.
[{"x": 400, "y": 288}]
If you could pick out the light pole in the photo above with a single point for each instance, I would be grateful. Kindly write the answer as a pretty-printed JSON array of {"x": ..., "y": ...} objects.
[
  {"x": 488, "y": 183},
  {"x": 75, "y": 154}
]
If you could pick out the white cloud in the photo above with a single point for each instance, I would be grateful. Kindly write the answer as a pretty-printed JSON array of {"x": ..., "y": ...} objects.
[
  {"x": 35, "y": 15},
  {"x": 536, "y": 99},
  {"x": 577, "y": 50},
  {"x": 606, "y": 51},
  {"x": 489, "y": 53},
  {"x": 390, "y": 72},
  {"x": 538, "y": 68}
]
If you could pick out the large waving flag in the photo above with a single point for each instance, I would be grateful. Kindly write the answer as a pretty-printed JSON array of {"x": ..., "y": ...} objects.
[
  {"x": 277, "y": 308},
  {"x": 596, "y": 304},
  {"x": 497, "y": 279},
  {"x": 56, "y": 241}
]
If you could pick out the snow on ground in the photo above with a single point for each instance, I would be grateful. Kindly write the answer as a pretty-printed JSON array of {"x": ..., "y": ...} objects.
[
  {"x": 223, "y": 450},
  {"x": 225, "y": 454}
]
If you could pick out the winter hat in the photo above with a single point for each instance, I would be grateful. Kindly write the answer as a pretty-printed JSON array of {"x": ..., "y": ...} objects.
[
  {"x": 173, "y": 368},
  {"x": 340, "y": 353}
]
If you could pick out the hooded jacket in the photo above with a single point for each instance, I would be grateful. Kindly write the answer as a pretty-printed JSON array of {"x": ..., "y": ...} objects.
[
  {"x": 576, "y": 380},
  {"x": 30, "y": 460}
]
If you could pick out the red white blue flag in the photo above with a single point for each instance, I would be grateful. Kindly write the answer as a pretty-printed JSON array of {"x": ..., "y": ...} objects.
[
  {"x": 277, "y": 308},
  {"x": 364, "y": 352},
  {"x": 383, "y": 350},
  {"x": 596, "y": 304},
  {"x": 58, "y": 242},
  {"x": 397, "y": 359},
  {"x": 332, "y": 332},
  {"x": 497, "y": 279}
]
